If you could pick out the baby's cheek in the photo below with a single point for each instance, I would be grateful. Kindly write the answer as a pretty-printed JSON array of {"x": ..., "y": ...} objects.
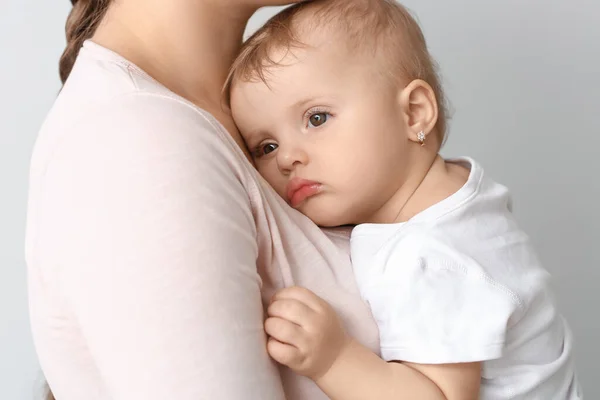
[{"x": 274, "y": 178}]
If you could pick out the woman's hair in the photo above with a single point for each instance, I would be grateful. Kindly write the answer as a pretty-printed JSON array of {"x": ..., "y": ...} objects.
[
  {"x": 48, "y": 394},
  {"x": 84, "y": 18}
]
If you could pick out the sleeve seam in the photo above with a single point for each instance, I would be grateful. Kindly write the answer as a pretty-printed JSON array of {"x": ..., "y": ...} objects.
[{"x": 454, "y": 267}]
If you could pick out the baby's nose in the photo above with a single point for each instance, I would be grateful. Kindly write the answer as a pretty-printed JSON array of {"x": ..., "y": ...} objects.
[{"x": 290, "y": 157}]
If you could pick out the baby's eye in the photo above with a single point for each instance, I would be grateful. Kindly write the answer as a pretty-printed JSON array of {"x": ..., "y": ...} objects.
[
  {"x": 269, "y": 147},
  {"x": 265, "y": 149},
  {"x": 318, "y": 119}
]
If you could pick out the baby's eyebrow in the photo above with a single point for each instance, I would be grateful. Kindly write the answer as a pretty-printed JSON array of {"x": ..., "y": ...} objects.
[
  {"x": 252, "y": 135},
  {"x": 302, "y": 103}
]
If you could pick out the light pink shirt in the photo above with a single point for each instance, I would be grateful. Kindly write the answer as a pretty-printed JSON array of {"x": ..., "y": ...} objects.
[{"x": 150, "y": 242}]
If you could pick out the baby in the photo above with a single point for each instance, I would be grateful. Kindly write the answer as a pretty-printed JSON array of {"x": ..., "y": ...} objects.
[{"x": 341, "y": 108}]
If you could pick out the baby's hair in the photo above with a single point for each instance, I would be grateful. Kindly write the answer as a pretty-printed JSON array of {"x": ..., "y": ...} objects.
[{"x": 384, "y": 27}]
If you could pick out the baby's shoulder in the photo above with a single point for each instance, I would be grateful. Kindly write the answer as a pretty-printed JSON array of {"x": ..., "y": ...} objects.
[{"x": 503, "y": 261}]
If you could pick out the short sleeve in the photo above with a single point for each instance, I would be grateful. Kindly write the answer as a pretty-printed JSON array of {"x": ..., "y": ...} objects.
[
  {"x": 436, "y": 306},
  {"x": 152, "y": 229}
]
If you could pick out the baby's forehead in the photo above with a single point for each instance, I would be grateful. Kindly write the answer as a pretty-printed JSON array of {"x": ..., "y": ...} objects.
[
  {"x": 313, "y": 30},
  {"x": 317, "y": 44},
  {"x": 345, "y": 32},
  {"x": 350, "y": 37}
]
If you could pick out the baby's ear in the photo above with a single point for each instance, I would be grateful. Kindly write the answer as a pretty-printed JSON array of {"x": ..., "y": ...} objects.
[{"x": 419, "y": 109}]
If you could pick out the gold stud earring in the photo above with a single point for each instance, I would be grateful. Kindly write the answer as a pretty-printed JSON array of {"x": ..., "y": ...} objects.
[{"x": 421, "y": 138}]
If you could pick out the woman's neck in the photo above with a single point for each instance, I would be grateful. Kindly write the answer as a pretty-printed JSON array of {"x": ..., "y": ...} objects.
[{"x": 188, "y": 46}]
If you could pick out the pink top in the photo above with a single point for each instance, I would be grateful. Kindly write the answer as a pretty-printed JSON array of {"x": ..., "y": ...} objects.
[{"x": 150, "y": 242}]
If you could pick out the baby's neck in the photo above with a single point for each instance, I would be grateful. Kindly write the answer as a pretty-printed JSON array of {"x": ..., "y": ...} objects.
[{"x": 440, "y": 181}]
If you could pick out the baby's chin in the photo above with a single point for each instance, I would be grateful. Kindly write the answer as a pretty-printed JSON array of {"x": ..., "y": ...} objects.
[{"x": 325, "y": 215}]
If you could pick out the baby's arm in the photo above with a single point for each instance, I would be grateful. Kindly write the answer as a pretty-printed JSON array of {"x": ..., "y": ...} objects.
[{"x": 307, "y": 336}]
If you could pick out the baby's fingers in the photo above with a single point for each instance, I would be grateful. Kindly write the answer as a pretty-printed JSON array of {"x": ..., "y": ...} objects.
[
  {"x": 283, "y": 353},
  {"x": 292, "y": 310},
  {"x": 302, "y": 295},
  {"x": 285, "y": 331}
]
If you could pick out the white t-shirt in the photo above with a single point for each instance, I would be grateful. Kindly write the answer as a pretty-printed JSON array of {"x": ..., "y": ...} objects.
[{"x": 460, "y": 282}]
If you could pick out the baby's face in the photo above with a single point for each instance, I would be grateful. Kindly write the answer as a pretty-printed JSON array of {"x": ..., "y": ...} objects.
[{"x": 326, "y": 133}]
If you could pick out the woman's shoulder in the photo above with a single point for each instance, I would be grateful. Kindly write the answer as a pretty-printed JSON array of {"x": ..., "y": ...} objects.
[
  {"x": 108, "y": 102},
  {"x": 100, "y": 74},
  {"x": 98, "y": 81},
  {"x": 104, "y": 85}
]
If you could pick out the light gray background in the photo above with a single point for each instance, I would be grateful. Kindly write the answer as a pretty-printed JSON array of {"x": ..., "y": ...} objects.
[{"x": 522, "y": 76}]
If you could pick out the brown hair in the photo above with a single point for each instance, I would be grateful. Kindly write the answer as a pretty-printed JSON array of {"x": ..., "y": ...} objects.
[
  {"x": 381, "y": 26},
  {"x": 48, "y": 394},
  {"x": 84, "y": 18}
]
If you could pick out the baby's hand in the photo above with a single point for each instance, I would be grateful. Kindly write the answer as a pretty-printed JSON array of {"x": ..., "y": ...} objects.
[{"x": 305, "y": 333}]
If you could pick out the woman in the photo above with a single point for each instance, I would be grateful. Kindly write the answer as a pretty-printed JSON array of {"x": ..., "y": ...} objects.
[{"x": 151, "y": 240}]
